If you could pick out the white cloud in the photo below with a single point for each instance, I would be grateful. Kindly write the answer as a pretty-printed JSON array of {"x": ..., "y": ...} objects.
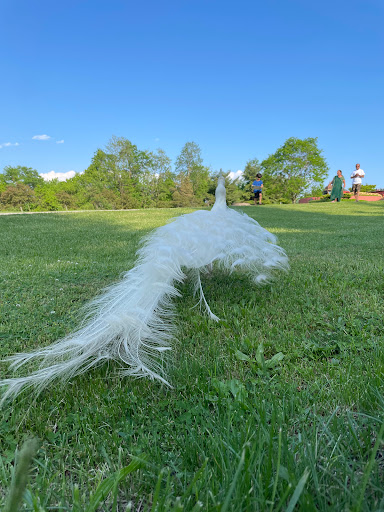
[
  {"x": 61, "y": 176},
  {"x": 60, "y": 141},
  {"x": 7, "y": 144},
  {"x": 237, "y": 174},
  {"x": 41, "y": 137},
  {"x": 157, "y": 139}
]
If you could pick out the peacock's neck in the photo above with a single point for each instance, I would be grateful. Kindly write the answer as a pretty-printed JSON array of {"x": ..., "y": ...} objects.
[{"x": 220, "y": 195}]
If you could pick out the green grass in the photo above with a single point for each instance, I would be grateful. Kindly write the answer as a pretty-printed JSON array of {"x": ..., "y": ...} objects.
[{"x": 243, "y": 429}]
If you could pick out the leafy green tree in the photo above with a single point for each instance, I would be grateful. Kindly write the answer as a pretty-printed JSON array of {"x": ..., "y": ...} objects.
[
  {"x": 252, "y": 167},
  {"x": 21, "y": 174},
  {"x": 165, "y": 187},
  {"x": 294, "y": 168},
  {"x": 46, "y": 196},
  {"x": 132, "y": 172},
  {"x": 274, "y": 190},
  {"x": 183, "y": 194},
  {"x": 117, "y": 177},
  {"x": 100, "y": 172},
  {"x": 67, "y": 193},
  {"x": 19, "y": 196},
  {"x": 190, "y": 164},
  {"x": 106, "y": 199},
  {"x": 89, "y": 187},
  {"x": 164, "y": 179},
  {"x": 367, "y": 188},
  {"x": 66, "y": 200},
  {"x": 189, "y": 158},
  {"x": 234, "y": 193},
  {"x": 126, "y": 156},
  {"x": 161, "y": 163},
  {"x": 3, "y": 185},
  {"x": 200, "y": 182},
  {"x": 129, "y": 163},
  {"x": 317, "y": 191}
]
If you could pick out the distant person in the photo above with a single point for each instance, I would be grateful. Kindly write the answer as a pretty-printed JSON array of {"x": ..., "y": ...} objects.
[
  {"x": 257, "y": 186},
  {"x": 356, "y": 176},
  {"x": 338, "y": 186}
]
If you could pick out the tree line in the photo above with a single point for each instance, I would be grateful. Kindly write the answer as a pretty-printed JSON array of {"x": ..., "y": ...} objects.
[{"x": 122, "y": 176}]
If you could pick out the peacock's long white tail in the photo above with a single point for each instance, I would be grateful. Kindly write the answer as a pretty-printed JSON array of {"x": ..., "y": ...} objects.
[{"x": 132, "y": 321}]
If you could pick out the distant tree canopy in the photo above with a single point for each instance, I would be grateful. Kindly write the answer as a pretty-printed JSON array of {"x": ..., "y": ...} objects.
[
  {"x": 192, "y": 173},
  {"x": 19, "y": 196},
  {"x": 26, "y": 175},
  {"x": 297, "y": 166},
  {"x": 123, "y": 176},
  {"x": 367, "y": 188}
]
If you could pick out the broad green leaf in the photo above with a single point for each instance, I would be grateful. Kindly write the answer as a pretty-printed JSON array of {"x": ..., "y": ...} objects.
[
  {"x": 275, "y": 360},
  {"x": 241, "y": 356}
]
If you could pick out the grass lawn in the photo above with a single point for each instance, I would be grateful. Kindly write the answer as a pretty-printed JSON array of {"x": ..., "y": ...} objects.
[{"x": 278, "y": 407}]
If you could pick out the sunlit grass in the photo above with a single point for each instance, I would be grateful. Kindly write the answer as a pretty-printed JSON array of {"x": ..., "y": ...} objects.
[{"x": 241, "y": 429}]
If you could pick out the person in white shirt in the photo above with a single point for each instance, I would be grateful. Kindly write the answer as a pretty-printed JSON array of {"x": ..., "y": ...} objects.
[{"x": 356, "y": 181}]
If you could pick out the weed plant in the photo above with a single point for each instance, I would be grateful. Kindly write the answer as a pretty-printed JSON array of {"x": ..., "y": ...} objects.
[{"x": 278, "y": 407}]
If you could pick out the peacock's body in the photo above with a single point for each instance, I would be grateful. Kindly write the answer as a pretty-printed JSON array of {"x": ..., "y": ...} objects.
[{"x": 132, "y": 319}]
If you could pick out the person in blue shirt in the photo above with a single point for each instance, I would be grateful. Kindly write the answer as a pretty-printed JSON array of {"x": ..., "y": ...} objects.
[{"x": 257, "y": 186}]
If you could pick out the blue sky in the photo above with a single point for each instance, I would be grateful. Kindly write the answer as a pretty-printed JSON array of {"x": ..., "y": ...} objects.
[{"x": 237, "y": 77}]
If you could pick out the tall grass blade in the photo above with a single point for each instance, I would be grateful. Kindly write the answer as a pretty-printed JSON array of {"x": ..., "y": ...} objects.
[
  {"x": 277, "y": 472},
  {"x": 227, "y": 500},
  {"x": 157, "y": 491},
  {"x": 20, "y": 478},
  {"x": 106, "y": 486},
  {"x": 368, "y": 469},
  {"x": 297, "y": 493}
]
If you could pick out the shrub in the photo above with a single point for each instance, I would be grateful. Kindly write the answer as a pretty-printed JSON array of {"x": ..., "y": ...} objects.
[{"x": 369, "y": 194}]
